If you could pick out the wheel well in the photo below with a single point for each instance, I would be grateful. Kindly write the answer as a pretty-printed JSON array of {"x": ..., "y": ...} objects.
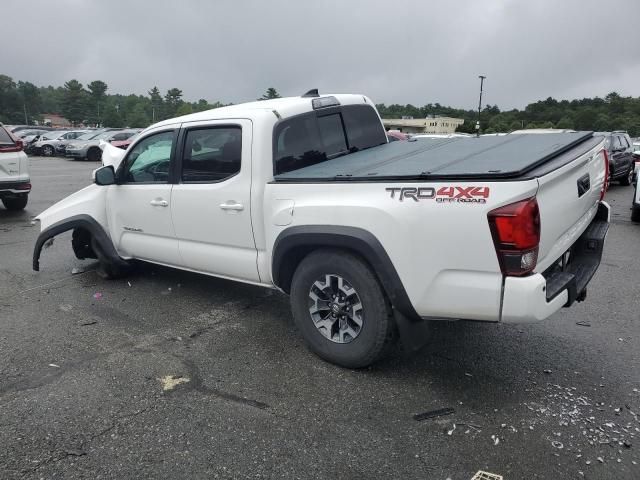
[
  {"x": 81, "y": 243},
  {"x": 295, "y": 243},
  {"x": 295, "y": 255}
]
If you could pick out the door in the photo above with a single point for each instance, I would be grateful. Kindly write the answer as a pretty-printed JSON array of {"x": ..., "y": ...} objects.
[
  {"x": 211, "y": 200},
  {"x": 618, "y": 158},
  {"x": 139, "y": 206}
]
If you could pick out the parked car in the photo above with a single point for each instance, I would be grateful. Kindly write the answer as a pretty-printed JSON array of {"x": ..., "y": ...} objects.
[
  {"x": 15, "y": 184},
  {"x": 368, "y": 238},
  {"x": 90, "y": 149},
  {"x": 621, "y": 164},
  {"x": 16, "y": 129},
  {"x": 47, "y": 144},
  {"x": 124, "y": 144},
  {"x": 396, "y": 135}
]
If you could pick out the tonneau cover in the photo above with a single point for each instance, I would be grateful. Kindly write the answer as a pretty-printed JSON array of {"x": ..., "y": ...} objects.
[{"x": 505, "y": 156}]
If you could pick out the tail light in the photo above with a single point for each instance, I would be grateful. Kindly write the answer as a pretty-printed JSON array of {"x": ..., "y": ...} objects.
[
  {"x": 605, "y": 184},
  {"x": 515, "y": 229},
  {"x": 23, "y": 186},
  {"x": 19, "y": 145}
]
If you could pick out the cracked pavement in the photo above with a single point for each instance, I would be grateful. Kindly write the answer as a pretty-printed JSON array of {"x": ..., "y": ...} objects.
[{"x": 81, "y": 394}]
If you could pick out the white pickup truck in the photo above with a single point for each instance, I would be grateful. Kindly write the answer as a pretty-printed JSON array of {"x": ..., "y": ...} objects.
[{"x": 369, "y": 238}]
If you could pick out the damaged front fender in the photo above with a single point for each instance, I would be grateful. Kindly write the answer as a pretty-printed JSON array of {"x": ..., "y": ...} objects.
[{"x": 84, "y": 222}]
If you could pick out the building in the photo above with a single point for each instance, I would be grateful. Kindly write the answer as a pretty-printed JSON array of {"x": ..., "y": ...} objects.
[
  {"x": 55, "y": 120},
  {"x": 423, "y": 125}
]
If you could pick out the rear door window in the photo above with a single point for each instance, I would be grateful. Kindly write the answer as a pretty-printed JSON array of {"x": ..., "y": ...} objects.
[{"x": 212, "y": 154}]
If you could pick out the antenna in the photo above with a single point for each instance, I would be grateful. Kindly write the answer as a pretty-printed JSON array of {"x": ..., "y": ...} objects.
[{"x": 311, "y": 93}]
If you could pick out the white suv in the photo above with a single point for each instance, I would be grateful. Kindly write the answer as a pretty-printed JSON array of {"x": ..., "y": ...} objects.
[{"x": 14, "y": 172}]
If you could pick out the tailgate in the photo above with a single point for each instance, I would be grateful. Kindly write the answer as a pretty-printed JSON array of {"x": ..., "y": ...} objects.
[
  {"x": 568, "y": 199},
  {"x": 9, "y": 166}
]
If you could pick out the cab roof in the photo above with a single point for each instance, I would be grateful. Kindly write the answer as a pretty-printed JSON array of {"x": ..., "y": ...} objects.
[{"x": 286, "y": 107}]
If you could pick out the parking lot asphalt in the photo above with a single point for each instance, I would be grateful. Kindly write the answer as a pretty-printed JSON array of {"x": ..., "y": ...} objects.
[{"x": 168, "y": 374}]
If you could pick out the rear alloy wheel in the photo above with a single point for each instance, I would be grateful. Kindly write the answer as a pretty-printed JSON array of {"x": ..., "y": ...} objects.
[
  {"x": 94, "y": 155},
  {"x": 15, "y": 203},
  {"x": 48, "y": 151},
  {"x": 340, "y": 309},
  {"x": 628, "y": 178}
]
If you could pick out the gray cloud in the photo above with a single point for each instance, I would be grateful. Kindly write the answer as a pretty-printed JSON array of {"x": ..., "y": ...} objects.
[{"x": 395, "y": 52}]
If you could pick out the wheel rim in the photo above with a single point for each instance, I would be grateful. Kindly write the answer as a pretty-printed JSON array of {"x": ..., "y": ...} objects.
[
  {"x": 48, "y": 151},
  {"x": 336, "y": 309},
  {"x": 630, "y": 176}
]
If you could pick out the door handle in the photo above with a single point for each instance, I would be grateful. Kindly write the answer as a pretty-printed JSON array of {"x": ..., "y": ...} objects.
[
  {"x": 231, "y": 205},
  {"x": 158, "y": 202}
]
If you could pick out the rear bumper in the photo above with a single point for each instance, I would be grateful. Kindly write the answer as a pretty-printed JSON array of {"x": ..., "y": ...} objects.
[
  {"x": 15, "y": 187},
  {"x": 538, "y": 296}
]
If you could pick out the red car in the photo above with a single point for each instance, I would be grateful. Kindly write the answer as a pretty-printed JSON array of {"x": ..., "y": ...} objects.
[
  {"x": 124, "y": 144},
  {"x": 395, "y": 135}
]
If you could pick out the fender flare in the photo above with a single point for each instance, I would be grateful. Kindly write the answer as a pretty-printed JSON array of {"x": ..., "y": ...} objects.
[
  {"x": 78, "y": 221},
  {"x": 354, "y": 239}
]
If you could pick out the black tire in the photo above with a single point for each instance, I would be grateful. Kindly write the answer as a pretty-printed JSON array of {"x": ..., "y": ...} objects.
[
  {"x": 15, "y": 203},
  {"x": 94, "y": 154},
  {"x": 628, "y": 178},
  {"x": 48, "y": 151},
  {"x": 635, "y": 213},
  {"x": 376, "y": 333},
  {"x": 106, "y": 269}
]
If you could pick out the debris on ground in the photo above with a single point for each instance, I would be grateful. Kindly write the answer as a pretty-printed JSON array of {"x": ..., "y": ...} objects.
[
  {"x": 583, "y": 324},
  {"x": 433, "y": 414},
  {"x": 76, "y": 270},
  {"x": 449, "y": 432},
  {"x": 557, "y": 444},
  {"x": 496, "y": 439},
  {"x": 166, "y": 292},
  {"x": 169, "y": 382},
  {"x": 482, "y": 475},
  {"x": 54, "y": 365},
  {"x": 129, "y": 283},
  {"x": 97, "y": 295},
  {"x": 75, "y": 452},
  {"x": 88, "y": 323},
  {"x": 547, "y": 371}
]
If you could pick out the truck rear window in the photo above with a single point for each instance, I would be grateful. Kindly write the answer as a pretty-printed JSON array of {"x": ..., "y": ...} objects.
[{"x": 315, "y": 137}]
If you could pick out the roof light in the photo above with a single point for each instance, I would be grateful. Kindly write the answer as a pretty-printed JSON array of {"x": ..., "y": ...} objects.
[{"x": 324, "y": 102}]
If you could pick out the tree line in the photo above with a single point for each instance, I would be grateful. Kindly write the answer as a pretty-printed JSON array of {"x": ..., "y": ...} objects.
[
  {"x": 24, "y": 102},
  {"x": 612, "y": 112}
]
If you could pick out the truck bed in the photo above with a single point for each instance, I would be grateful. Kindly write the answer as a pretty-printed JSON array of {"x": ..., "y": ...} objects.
[{"x": 494, "y": 157}]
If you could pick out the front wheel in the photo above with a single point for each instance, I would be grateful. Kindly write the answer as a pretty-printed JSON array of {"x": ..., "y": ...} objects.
[
  {"x": 48, "y": 151},
  {"x": 341, "y": 309},
  {"x": 94, "y": 155},
  {"x": 15, "y": 203},
  {"x": 628, "y": 178}
]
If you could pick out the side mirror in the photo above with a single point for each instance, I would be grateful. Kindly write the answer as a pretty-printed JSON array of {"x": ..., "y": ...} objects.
[{"x": 104, "y": 175}]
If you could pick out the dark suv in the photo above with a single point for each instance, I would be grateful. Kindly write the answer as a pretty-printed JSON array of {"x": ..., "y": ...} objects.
[{"x": 621, "y": 164}]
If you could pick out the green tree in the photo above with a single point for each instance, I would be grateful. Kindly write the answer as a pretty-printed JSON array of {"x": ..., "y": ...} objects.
[
  {"x": 172, "y": 101},
  {"x": 157, "y": 105},
  {"x": 74, "y": 101},
  {"x": 97, "y": 96},
  {"x": 270, "y": 94},
  {"x": 138, "y": 117},
  {"x": 565, "y": 122},
  {"x": 31, "y": 101},
  {"x": 184, "y": 109},
  {"x": 112, "y": 117},
  {"x": 10, "y": 102}
]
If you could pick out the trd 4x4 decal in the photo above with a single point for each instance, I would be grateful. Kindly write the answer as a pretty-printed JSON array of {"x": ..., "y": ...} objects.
[{"x": 455, "y": 194}]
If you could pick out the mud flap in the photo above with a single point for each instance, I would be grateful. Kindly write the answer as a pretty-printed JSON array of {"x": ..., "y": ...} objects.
[{"x": 414, "y": 334}]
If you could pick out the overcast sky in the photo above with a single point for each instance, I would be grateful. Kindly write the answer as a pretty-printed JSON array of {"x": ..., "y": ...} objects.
[{"x": 401, "y": 51}]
